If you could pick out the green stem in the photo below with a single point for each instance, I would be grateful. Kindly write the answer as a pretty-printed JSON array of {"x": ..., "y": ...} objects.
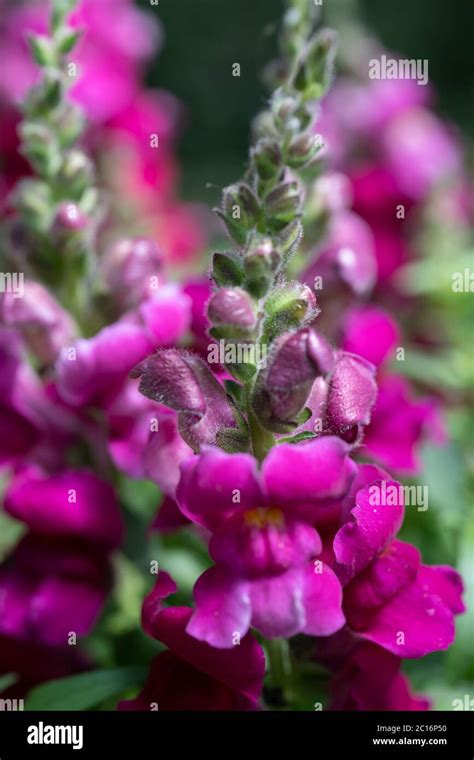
[
  {"x": 262, "y": 440},
  {"x": 281, "y": 668}
]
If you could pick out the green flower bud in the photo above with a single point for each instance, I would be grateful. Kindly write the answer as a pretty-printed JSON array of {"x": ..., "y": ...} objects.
[
  {"x": 76, "y": 173},
  {"x": 267, "y": 158},
  {"x": 314, "y": 70},
  {"x": 288, "y": 307},
  {"x": 288, "y": 238},
  {"x": 261, "y": 262},
  {"x": 283, "y": 203},
  {"x": 40, "y": 147},
  {"x": 303, "y": 149},
  {"x": 32, "y": 198},
  {"x": 240, "y": 211}
]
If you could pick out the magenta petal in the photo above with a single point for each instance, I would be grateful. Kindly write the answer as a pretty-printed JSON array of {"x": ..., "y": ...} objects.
[
  {"x": 215, "y": 484},
  {"x": 307, "y": 474},
  {"x": 268, "y": 549},
  {"x": 242, "y": 667},
  {"x": 322, "y": 601},
  {"x": 92, "y": 367},
  {"x": 370, "y": 679},
  {"x": 277, "y": 604},
  {"x": 446, "y": 583},
  {"x": 223, "y": 610},
  {"x": 372, "y": 526},
  {"x": 152, "y": 604},
  {"x": 351, "y": 394},
  {"x": 71, "y": 503},
  {"x": 423, "y": 620},
  {"x": 372, "y": 333},
  {"x": 166, "y": 315}
]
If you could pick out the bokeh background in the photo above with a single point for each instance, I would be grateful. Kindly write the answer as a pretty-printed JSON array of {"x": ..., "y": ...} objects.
[{"x": 203, "y": 39}]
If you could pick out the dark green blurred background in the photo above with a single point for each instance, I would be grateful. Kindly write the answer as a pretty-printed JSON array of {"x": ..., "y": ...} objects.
[{"x": 204, "y": 37}]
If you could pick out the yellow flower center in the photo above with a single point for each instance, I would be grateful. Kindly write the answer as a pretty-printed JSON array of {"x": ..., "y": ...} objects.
[{"x": 263, "y": 517}]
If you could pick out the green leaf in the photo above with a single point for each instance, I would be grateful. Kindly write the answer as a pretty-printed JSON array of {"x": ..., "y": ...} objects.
[
  {"x": 141, "y": 497},
  {"x": 84, "y": 691}
]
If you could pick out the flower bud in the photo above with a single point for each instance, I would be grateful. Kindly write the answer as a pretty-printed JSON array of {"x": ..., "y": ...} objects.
[
  {"x": 303, "y": 149},
  {"x": 283, "y": 203},
  {"x": 40, "y": 147},
  {"x": 240, "y": 210},
  {"x": 44, "y": 325},
  {"x": 283, "y": 108},
  {"x": 351, "y": 396},
  {"x": 284, "y": 386},
  {"x": 69, "y": 218},
  {"x": 130, "y": 268},
  {"x": 287, "y": 307},
  {"x": 314, "y": 70},
  {"x": 76, "y": 172},
  {"x": 267, "y": 158},
  {"x": 33, "y": 199},
  {"x": 261, "y": 262},
  {"x": 183, "y": 382},
  {"x": 231, "y": 313}
]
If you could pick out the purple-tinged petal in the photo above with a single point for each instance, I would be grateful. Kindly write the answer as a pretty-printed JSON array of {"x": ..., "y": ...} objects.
[
  {"x": 152, "y": 604},
  {"x": 351, "y": 395},
  {"x": 215, "y": 484},
  {"x": 371, "y": 333},
  {"x": 173, "y": 684},
  {"x": 166, "y": 316},
  {"x": 305, "y": 476},
  {"x": 223, "y": 609},
  {"x": 164, "y": 452},
  {"x": 445, "y": 582},
  {"x": 241, "y": 668},
  {"x": 322, "y": 600},
  {"x": 399, "y": 424},
  {"x": 184, "y": 382},
  {"x": 71, "y": 503},
  {"x": 93, "y": 367},
  {"x": 50, "y": 588},
  {"x": 277, "y": 604},
  {"x": 372, "y": 526},
  {"x": 370, "y": 679},
  {"x": 263, "y": 542}
]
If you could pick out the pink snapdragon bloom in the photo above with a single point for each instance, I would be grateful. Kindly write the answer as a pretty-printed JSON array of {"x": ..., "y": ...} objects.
[
  {"x": 191, "y": 675},
  {"x": 44, "y": 325},
  {"x": 390, "y": 598},
  {"x": 50, "y": 588},
  {"x": 347, "y": 254},
  {"x": 370, "y": 679},
  {"x": 71, "y": 503},
  {"x": 420, "y": 151},
  {"x": 33, "y": 425},
  {"x": 95, "y": 368},
  {"x": 263, "y": 540},
  {"x": 143, "y": 438},
  {"x": 399, "y": 423},
  {"x": 56, "y": 580}
]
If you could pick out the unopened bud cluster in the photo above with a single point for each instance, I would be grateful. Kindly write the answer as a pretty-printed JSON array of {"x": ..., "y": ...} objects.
[
  {"x": 57, "y": 205},
  {"x": 253, "y": 301}
]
